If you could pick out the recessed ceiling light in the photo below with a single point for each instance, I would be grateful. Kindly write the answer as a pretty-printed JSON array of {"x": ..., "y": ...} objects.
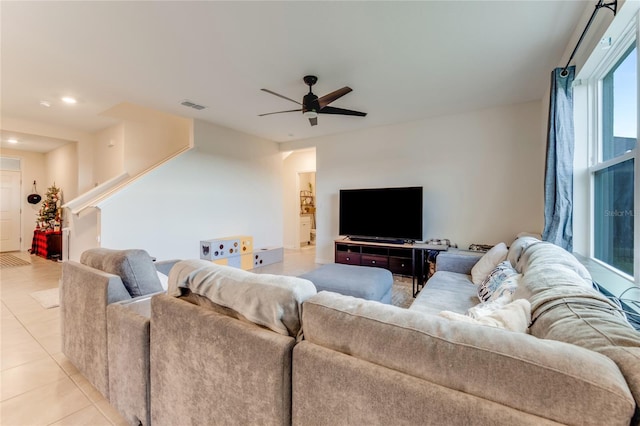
[
  {"x": 69, "y": 100},
  {"x": 45, "y": 104},
  {"x": 13, "y": 141}
]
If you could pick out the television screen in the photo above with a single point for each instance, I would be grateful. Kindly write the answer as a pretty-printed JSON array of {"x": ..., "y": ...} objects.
[{"x": 381, "y": 213}]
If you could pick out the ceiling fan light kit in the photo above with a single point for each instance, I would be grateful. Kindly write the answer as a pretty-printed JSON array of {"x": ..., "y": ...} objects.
[{"x": 312, "y": 105}]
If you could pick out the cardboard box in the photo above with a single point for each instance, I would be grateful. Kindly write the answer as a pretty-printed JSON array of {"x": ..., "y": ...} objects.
[
  {"x": 219, "y": 248},
  {"x": 267, "y": 256}
]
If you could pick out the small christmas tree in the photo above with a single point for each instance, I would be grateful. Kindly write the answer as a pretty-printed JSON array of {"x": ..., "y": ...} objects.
[{"x": 49, "y": 215}]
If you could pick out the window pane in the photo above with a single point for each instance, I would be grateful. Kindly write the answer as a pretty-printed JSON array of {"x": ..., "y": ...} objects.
[
  {"x": 620, "y": 107},
  {"x": 613, "y": 216}
]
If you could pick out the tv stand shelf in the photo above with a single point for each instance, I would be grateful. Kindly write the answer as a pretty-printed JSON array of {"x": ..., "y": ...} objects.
[{"x": 401, "y": 259}]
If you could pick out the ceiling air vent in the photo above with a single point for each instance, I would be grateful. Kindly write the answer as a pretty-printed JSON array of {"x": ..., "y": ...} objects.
[{"x": 190, "y": 104}]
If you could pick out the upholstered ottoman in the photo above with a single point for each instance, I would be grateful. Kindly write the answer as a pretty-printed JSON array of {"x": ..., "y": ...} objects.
[{"x": 365, "y": 282}]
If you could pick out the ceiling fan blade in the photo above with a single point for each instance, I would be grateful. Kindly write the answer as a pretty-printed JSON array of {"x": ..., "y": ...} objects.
[
  {"x": 280, "y": 96},
  {"x": 279, "y": 112},
  {"x": 341, "y": 111},
  {"x": 327, "y": 99},
  {"x": 313, "y": 121}
]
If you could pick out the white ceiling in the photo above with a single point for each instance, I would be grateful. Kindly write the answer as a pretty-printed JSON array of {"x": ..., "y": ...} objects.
[
  {"x": 403, "y": 60},
  {"x": 29, "y": 142}
]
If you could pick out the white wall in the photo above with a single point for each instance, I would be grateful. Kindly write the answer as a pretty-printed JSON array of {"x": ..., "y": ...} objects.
[
  {"x": 108, "y": 158},
  {"x": 33, "y": 167},
  {"x": 229, "y": 184},
  {"x": 482, "y": 173},
  {"x": 296, "y": 162},
  {"x": 149, "y": 141},
  {"x": 62, "y": 168},
  {"x": 143, "y": 138}
]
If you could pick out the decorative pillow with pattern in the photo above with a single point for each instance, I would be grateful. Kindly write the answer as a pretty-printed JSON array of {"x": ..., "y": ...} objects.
[
  {"x": 501, "y": 280},
  {"x": 508, "y": 287}
]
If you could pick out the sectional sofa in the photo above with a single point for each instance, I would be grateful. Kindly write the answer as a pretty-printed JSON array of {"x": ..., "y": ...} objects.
[
  {"x": 367, "y": 363},
  {"x": 297, "y": 357}
]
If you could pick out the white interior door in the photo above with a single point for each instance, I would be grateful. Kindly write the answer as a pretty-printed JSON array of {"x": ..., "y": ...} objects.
[{"x": 9, "y": 210}]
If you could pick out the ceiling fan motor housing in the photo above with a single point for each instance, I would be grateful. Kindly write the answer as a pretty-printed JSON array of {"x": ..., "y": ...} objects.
[{"x": 310, "y": 103}]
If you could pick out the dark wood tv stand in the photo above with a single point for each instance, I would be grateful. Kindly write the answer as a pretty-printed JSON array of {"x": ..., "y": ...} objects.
[{"x": 402, "y": 259}]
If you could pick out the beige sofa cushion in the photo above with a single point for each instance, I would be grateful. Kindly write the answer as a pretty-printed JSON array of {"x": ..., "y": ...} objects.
[
  {"x": 550, "y": 256},
  {"x": 566, "y": 308},
  {"x": 446, "y": 290},
  {"x": 272, "y": 301},
  {"x": 209, "y": 369},
  {"x": 547, "y": 378},
  {"x": 517, "y": 248}
]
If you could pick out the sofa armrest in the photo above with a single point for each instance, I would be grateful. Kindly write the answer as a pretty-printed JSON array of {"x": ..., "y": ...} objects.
[
  {"x": 85, "y": 293},
  {"x": 164, "y": 266},
  {"x": 460, "y": 262},
  {"x": 81, "y": 277}
]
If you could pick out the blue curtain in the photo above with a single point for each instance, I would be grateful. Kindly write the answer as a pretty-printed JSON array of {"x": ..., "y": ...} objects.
[{"x": 558, "y": 180}]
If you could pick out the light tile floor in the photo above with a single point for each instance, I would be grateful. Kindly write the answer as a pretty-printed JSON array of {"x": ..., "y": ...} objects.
[{"x": 38, "y": 384}]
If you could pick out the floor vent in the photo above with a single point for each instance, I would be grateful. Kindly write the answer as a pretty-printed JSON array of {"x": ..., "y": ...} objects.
[{"x": 190, "y": 104}]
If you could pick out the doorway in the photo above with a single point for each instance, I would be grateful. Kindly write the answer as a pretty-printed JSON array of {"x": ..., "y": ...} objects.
[
  {"x": 307, "y": 212},
  {"x": 299, "y": 170},
  {"x": 10, "y": 226}
]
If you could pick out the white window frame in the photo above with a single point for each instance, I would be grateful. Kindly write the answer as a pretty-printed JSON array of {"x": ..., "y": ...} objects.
[{"x": 595, "y": 115}]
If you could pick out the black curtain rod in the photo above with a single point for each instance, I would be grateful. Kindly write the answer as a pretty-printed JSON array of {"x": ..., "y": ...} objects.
[{"x": 613, "y": 6}]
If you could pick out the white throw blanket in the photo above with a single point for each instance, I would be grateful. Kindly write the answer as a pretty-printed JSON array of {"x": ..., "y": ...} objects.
[
  {"x": 514, "y": 316},
  {"x": 272, "y": 301}
]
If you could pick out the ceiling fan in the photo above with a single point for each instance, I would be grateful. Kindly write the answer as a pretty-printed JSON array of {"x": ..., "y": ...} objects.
[{"x": 313, "y": 105}]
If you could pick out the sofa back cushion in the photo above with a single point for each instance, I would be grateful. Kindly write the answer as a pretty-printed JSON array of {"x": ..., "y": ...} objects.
[
  {"x": 459, "y": 261},
  {"x": 565, "y": 307},
  {"x": 550, "y": 379},
  {"x": 209, "y": 369},
  {"x": 135, "y": 267},
  {"x": 564, "y": 304},
  {"x": 272, "y": 301},
  {"x": 518, "y": 247}
]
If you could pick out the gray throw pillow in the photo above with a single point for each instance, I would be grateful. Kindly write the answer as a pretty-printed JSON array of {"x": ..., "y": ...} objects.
[{"x": 135, "y": 267}]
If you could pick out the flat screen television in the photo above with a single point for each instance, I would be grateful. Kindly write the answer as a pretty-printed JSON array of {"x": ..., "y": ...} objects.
[{"x": 381, "y": 214}]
